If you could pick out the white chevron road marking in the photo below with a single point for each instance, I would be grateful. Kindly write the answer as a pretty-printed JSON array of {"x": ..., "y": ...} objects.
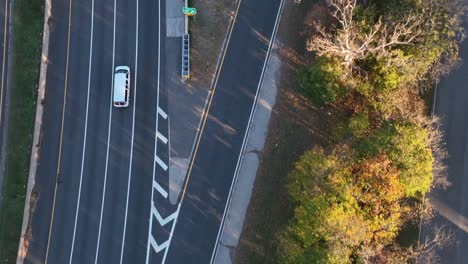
[{"x": 163, "y": 221}]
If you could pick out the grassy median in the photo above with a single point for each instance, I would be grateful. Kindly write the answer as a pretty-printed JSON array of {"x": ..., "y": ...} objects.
[{"x": 27, "y": 27}]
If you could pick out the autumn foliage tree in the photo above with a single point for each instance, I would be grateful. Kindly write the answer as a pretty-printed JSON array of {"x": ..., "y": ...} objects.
[{"x": 348, "y": 209}]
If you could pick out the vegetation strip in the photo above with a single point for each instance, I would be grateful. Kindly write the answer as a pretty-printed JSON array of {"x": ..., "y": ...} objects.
[{"x": 27, "y": 26}]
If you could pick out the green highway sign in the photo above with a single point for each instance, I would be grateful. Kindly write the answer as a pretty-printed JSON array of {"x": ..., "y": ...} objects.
[{"x": 189, "y": 11}]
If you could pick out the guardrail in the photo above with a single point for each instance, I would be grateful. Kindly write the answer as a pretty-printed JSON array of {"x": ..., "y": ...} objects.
[{"x": 186, "y": 56}]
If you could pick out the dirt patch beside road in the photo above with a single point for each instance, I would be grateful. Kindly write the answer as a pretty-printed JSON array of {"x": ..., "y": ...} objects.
[{"x": 208, "y": 30}]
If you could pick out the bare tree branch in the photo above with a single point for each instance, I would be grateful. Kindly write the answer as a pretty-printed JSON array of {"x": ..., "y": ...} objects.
[{"x": 350, "y": 42}]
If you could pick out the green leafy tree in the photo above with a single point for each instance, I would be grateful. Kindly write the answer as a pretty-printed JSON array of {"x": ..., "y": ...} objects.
[
  {"x": 320, "y": 83},
  {"x": 345, "y": 210},
  {"x": 408, "y": 146}
]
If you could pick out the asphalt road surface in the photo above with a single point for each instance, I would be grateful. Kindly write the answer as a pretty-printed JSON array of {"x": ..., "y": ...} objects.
[
  {"x": 216, "y": 160},
  {"x": 95, "y": 166},
  {"x": 452, "y": 107},
  {"x": 102, "y": 181}
]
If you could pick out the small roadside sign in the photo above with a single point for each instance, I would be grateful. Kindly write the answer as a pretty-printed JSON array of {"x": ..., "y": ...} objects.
[{"x": 189, "y": 11}]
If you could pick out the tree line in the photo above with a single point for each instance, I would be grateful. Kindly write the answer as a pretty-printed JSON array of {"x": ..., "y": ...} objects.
[{"x": 376, "y": 62}]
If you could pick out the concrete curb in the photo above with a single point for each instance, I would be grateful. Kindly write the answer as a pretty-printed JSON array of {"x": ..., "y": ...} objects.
[{"x": 24, "y": 243}]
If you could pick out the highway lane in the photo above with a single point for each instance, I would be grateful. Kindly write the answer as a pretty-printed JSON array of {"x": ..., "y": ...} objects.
[
  {"x": 104, "y": 155},
  {"x": 215, "y": 163},
  {"x": 86, "y": 225},
  {"x": 451, "y": 106},
  {"x": 71, "y": 134},
  {"x": 136, "y": 233},
  {"x": 120, "y": 148}
]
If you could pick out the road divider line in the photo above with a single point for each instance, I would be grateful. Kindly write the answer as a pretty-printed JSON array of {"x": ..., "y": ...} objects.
[
  {"x": 85, "y": 132},
  {"x": 252, "y": 111},
  {"x": 133, "y": 136},
  {"x": 161, "y": 137},
  {"x": 159, "y": 112},
  {"x": 160, "y": 189},
  {"x": 161, "y": 163},
  {"x": 103, "y": 198}
]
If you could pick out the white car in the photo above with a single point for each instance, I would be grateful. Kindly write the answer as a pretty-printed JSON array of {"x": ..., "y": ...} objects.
[{"x": 121, "y": 86}]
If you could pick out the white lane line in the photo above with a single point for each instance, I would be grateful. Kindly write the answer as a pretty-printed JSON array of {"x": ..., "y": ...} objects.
[
  {"x": 254, "y": 106},
  {"x": 161, "y": 163},
  {"x": 108, "y": 140},
  {"x": 160, "y": 189},
  {"x": 133, "y": 136},
  {"x": 163, "y": 221},
  {"x": 4, "y": 59},
  {"x": 160, "y": 111},
  {"x": 171, "y": 234},
  {"x": 85, "y": 131},
  {"x": 164, "y": 115},
  {"x": 161, "y": 137}
]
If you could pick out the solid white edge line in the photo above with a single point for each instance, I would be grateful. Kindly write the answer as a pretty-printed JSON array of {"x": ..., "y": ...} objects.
[
  {"x": 4, "y": 59},
  {"x": 133, "y": 136},
  {"x": 85, "y": 131},
  {"x": 254, "y": 106},
  {"x": 158, "y": 112},
  {"x": 108, "y": 141}
]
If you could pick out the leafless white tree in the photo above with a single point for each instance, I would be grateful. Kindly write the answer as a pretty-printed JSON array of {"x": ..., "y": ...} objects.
[{"x": 349, "y": 41}]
